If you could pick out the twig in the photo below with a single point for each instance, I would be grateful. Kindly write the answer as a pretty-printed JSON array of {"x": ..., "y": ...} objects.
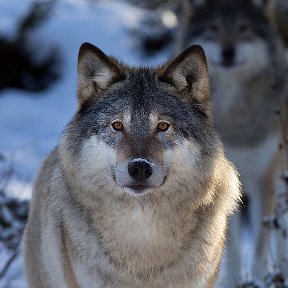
[{"x": 9, "y": 262}]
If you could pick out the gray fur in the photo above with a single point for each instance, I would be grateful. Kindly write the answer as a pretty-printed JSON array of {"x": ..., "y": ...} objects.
[
  {"x": 245, "y": 94},
  {"x": 86, "y": 230}
]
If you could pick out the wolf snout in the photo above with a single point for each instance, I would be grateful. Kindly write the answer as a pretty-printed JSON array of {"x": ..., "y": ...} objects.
[
  {"x": 228, "y": 56},
  {"x": 140, "y": 169}
]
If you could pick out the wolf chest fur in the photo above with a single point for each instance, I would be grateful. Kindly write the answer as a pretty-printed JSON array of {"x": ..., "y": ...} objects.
[{"x": 138, "y": 191}]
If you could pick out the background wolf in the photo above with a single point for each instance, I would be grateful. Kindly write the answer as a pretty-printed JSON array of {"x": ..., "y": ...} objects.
[
  {"x": 138, "y": 192},
  {"x": 248, "y": 70}
]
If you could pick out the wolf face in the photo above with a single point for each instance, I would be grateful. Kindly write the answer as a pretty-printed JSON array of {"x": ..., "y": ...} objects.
[
  {"x": 233, "y": 34},
  {"x": 137, "y": 128}
]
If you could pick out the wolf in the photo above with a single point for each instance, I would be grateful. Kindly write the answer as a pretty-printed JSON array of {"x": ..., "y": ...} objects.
[
  {"x": 138, "y": 191},
  {"x": 248, "y": 70}
]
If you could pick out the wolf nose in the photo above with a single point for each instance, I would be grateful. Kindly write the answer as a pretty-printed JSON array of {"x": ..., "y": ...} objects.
[
  {"x": 140, "y": 169},
  {"x": 228, "y": 55}
]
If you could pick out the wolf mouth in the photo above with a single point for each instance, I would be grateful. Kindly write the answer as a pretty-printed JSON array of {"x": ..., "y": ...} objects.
[{"x": 138, "y": 188}]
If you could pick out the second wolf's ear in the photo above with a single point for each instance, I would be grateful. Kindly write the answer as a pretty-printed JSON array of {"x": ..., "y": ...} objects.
[
  {"x": 188, "y": 72},
  {"x": 96, "y": 72},
  {"x": 261, "y": 3}
]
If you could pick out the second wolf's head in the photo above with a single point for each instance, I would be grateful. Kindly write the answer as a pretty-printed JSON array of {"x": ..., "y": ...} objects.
[
  {"x": 236, "y": 36},
  {"x": 140, "y": 130}
]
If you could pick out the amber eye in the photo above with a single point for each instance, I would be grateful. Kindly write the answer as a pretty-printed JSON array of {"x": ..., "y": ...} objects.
[
  {"x": 214, "y": 27},
  {"x": 117, "y": 125},
  {"x": 163, "y": 126},
  {"x": 243, "y": 27}
]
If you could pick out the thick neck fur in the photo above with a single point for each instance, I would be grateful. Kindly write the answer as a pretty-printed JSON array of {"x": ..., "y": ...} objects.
[
  {"x": 152, "y": 238},
  {"x": 145, "y": 241}
]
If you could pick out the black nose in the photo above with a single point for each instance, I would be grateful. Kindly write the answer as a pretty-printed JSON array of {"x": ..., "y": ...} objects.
[
  {"x": 140, "y": 169},
  {"x": 228, "y": 55}
]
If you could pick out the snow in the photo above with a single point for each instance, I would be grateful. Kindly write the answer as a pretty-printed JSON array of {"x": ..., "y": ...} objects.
[
  {"x": 31, "y": 125},
  {"x": 142, "y": 160}
]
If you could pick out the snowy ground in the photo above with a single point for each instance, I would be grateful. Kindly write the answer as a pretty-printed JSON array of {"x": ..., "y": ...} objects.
[{"x": 30, "y": 126}]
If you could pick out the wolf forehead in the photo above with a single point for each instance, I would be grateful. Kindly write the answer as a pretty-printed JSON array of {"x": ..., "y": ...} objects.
[
  {"x": 140, "y": 92},
  {"x": 143, "y": 99}
]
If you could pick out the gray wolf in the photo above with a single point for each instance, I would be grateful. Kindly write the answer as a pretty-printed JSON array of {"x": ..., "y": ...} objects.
[
  {"x": 248, "y": 71},
  {"x": 138, "y": 191}
]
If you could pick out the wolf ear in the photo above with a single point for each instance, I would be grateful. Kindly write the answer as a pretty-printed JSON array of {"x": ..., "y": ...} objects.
[
  {"x": 188, "y": 72},
  {"x": 197, "y": 3},
  {"x": 261, "y": 3},
  {"x": 96, "y": 72}
]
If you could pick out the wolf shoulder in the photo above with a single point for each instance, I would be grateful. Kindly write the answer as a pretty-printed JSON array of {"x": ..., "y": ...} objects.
[
  {"x": 47, "y": 176},
  {"x": 42, "y": 246}
]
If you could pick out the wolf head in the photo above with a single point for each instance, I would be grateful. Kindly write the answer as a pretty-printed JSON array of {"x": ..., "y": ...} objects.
[
  {"x": 235, "y": 35},
  {"x": 139, "y": 129}
]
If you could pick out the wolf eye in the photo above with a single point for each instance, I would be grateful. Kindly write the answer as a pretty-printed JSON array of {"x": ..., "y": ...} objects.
[
  {"x": 117, "y": 125},
  {"x": 214, "y": 27},
  {"x": 163, "y": 126},
  {"x": 243, "y": 27}
]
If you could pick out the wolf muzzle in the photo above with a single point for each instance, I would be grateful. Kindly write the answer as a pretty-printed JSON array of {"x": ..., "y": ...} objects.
[{"x": 140, "y": 169}]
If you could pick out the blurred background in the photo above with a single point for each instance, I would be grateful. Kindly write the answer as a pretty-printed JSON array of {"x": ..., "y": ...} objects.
[{"x": 245, "y": 43}]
